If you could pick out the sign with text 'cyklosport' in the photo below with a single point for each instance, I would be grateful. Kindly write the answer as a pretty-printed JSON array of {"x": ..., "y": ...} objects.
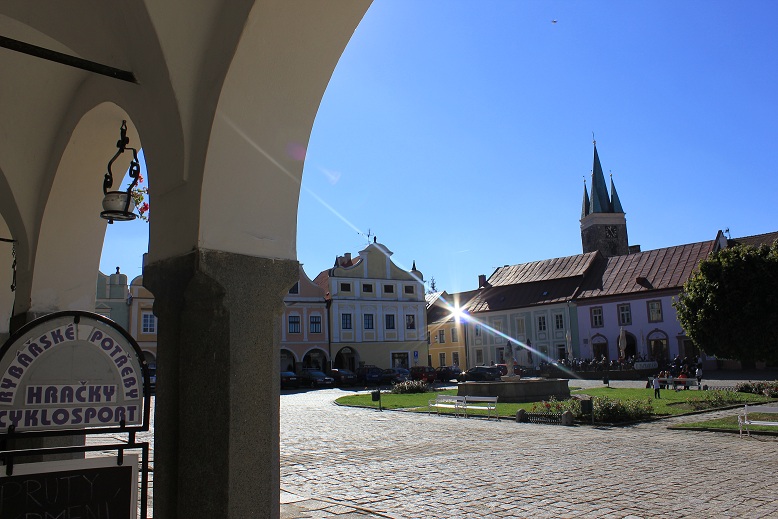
[{"x": 71, "y": 370}]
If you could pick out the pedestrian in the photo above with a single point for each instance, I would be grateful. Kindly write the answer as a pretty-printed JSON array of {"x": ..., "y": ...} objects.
[
  {"x": 698, "y": 374},
  {"x": 656, "y": 387}
]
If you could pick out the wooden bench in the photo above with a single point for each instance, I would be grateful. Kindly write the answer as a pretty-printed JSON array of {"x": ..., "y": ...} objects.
[
  {"x": 457, "y": 403},
  {"x": 744, "y": 421},
  {"x": 482, "y": 403}
]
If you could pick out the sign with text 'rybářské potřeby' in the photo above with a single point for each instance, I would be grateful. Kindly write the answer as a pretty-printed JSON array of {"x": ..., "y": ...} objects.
[{"x": 70, "y": 370}]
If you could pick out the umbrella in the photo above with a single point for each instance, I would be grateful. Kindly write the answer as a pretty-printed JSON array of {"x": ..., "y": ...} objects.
[
  {"x": 622, "y": 342},
  {"x": 569, "y": 341}
]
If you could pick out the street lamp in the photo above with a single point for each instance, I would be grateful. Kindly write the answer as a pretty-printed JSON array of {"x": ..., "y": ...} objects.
[{"x": 119, "y": 205}]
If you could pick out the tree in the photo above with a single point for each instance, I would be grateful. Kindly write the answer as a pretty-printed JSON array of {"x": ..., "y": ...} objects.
[
  {"x": 729, "y": 306},
  {"x": 433, "y": 288}
]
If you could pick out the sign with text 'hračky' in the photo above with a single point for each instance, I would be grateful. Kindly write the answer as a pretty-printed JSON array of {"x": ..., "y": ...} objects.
[{"x": 70, "y": 370}]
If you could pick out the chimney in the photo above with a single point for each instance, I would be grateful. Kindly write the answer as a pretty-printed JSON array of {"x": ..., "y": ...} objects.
[
  {"x": 481, "y": 280},
  {"x": 347, "y": 257},
  {"x": 634, "y": 249}
]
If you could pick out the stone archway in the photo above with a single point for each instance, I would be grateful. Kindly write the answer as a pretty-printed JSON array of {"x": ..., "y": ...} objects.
[
  {"x": 315, "y": 358},
  {"x": 288, "y": 361},
  {"x": 658, "y": 346},
  {"x": 346, "y": 358}
]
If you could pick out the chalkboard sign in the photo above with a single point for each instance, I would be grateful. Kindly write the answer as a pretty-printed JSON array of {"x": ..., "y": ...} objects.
[{"x": 95, "y": 488}]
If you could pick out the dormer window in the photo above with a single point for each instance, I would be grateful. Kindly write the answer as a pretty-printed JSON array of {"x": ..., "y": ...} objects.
[{"x": 345, "y": 287}]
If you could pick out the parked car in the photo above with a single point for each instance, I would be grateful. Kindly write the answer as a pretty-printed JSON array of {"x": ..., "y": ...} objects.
[
  {"x": 425, "y": 373},
  {"x": 315, "y": 378},
  {"x": 447, "y": 373},
  {"x": 289, "y": 380},
  {"x": 395, "y": 375},
  {"x": 369, "y": 375},
  {"x": 343, "y": 376},
  {"x": 480, "y": 374}
]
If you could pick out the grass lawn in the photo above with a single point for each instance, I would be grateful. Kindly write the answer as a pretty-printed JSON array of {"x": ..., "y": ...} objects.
[
  {"x": 729, "y": 423},
  {"x": 670, "y": 403}
]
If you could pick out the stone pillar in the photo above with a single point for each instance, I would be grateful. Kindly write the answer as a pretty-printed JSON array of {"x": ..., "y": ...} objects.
[{"x": 216, "y": 452}]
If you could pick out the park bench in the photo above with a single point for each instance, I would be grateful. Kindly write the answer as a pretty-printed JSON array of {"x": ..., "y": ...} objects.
[
  {"x": 457, "y": 403},
  {"x": 482, "y": 403},
  {"x": 744, "y": 421},
  {"x": 675, "y": 382}
]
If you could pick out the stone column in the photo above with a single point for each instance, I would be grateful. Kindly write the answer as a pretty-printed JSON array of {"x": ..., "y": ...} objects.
[{"x": 216, "y": 452}]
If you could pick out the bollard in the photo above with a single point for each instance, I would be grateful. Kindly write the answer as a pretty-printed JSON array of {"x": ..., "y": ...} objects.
[{"x": 376, "y": 395}]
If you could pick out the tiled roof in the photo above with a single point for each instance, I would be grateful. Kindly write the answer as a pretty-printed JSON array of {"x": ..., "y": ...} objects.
[
  {"x": 659, "y": 269},
  {"x": 756, "y": 240},
  {"x": 545, "y": 270},
  {"x": 440, "y": 311},
  {"x": 524, "y": 294}
]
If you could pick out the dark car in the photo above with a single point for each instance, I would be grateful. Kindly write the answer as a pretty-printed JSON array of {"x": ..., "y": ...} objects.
[
  {"x": 315, "y": 378},
  {"x": 425, "y": 373},
  {"x": 369, "y": 375},
  {"x": 447, "y": 373},
  {"x": 480, "y": 374},
  {"x": 395, "y": 375},
  {"x": 343, "y": 376},
  {"x": 289, "y": 380}
]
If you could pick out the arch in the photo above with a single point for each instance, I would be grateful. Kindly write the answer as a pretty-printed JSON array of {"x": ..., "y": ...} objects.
[
  {"x": 658, "y": 345},
  {"x": 67, "y": 256},
  {"x": 151, "y": 359},
  {"x": 315, "y": 358},
  {"x": 288, "y": 360},
  {"x": 631, "y": 348},
  {"x": 599, "y": 346},
  {"x": 346, "y": 358}
]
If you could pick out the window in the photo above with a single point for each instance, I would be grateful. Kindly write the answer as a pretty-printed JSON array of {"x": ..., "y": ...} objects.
[
  {"x": 520, "y": 330},
  {"x": 368, "y": 321},
  {"x": 345, "y": 321},
  {"x": 294, "y": 324},
  {"x": 409, "y": 289},
  {"x": 654, "y": 311},
  {"x": 367, "y": 287},
  {"x": 389, "y": 321},
  {"x": 479, "y": 357},
  {"x": 442, "y": 359},
  {"x": 596, "y": 314},
  {"x": 442, "y": 336},
  {"x": 477, "y": 330},
  {"x": 345, "y": 287},
  {"x": 541, "y": 323},
  {"x": 559, "y": 322},
  {"x": 410, "y": 322},
  {"x": 295, "y": 289},
  {"x": 625, "y": 314},
  {"x": 454, "y": 335},
  {"x": 149, "y": 324},
  {"x": 315, "y": 324},
  {"x": 388, "y": 289},
  {"x": 455, "y": 358}
]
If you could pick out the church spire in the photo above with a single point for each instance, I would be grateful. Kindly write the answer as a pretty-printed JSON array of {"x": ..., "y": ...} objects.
[
  {"x": 585, "y": 205},
  {"x": 615, "y": 202},
  {"x": 600, "y": 202}
]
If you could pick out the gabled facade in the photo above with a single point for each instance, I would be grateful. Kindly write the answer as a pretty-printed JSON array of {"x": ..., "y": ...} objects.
[
  {"x": 377, "y": 311},
  {"x": 445, "y": 331},
  {"x": 131, "y": 307},
  {"x": 305, "y": 327}
]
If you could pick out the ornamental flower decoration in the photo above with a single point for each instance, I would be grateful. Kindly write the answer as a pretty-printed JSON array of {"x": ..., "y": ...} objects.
[{"x": 139, "y": 194}]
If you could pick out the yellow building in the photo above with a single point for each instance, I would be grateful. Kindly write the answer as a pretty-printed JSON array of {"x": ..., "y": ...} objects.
[{"x": 445, "y": 332}]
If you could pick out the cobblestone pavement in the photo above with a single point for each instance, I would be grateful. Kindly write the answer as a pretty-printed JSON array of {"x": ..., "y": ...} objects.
[{"x": 348, "y": 463}]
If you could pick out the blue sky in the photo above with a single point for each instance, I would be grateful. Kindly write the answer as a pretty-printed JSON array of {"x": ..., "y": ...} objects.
[{"x": 460, "y": 132}]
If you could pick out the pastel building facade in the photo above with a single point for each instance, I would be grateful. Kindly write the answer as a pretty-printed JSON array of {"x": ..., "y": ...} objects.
[
  {"x": 305, "y": 327},
  {"x": 446, "y": 330},
  {"x": 377, "y": 311}
]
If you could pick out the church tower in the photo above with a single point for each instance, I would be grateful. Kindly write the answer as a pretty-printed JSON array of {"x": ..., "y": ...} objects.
[{"x": 603, "y": 222}]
